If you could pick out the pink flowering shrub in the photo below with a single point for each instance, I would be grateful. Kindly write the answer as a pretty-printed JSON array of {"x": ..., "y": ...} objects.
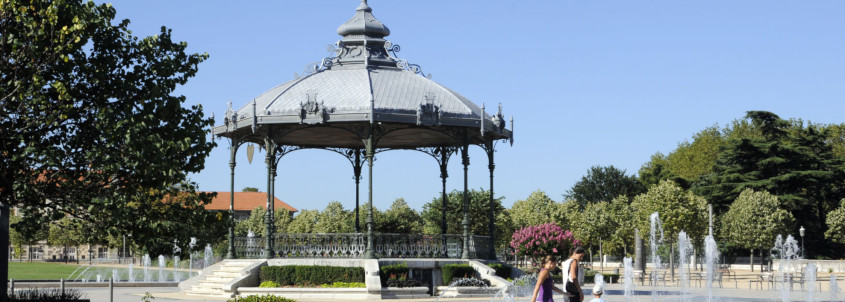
[{"x": 541, "y": 240}]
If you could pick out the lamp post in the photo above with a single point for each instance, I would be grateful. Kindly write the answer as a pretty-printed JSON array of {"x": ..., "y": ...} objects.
[
  {"x": 801, "y": 232},
  {"x": 123, "y": 256}
]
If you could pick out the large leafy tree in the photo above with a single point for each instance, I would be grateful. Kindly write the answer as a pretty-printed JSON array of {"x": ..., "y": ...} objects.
[
  {"x": 90, "y": 126},
  {"x": 603, "y": 184},
  {"x": 754, "y": 220},
  {"x": 788, "y": 159}
]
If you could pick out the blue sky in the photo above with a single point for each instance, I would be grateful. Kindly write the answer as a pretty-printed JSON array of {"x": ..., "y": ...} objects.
[{"x": 588, "y": 82}]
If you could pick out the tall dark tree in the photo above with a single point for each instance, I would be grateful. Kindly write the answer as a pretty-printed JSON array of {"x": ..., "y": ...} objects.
[
  {"x": 603, "y": 184},
  {"x": 89, "y": 125},
  {"x": 789, "y": 160}
]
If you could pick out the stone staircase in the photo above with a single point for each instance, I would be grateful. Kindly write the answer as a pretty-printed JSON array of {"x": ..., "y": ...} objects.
[{"x": 212, "y": 284}]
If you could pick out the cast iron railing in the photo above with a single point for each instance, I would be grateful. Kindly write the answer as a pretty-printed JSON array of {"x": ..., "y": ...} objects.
[{"x": 353, "y": 245}]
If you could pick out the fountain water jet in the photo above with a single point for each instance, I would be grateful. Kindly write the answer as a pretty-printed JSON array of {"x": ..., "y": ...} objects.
[
  {"x": 684, "y": 253},
  {"x": 629, "y": 277},
  {"x": 208, "y": 257},
  {"x": 191, "y": 245},
  {"x": 176, "y": 277},
  {"x": 810, "y": 281},
  {"x": 147, "y": 262},
  {"x": 711, "y": 254},
  {"x": 834, "y": 288},
  {"x": 786, "y": 251},
  {"x": 131, "y": 273},
  {"x": 161, "y": 263},
  {"x": 656, "y": 226}
]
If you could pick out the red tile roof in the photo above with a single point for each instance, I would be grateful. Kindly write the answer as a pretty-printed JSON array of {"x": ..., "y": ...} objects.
[{"x": 245, "y": 201}]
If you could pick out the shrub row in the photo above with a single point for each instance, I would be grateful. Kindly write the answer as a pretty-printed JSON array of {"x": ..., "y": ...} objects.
[
  {"x": 502, "y": 270},
  {"x": 345, "y": 284},
  {"x": 307, "y": 275},
  {"x": 256, "y": 298},
  {"x": 451, "y": 271},
  {"x": 45, "y": 295}
]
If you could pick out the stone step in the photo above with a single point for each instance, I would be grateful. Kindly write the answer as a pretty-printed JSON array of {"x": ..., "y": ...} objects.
[
  {"x": 220, "y": 279},
  {"x": 225, "y": 274},
  {"x": 211, "y": 284},
  {"x": 202, "y": 290},
  {"x": 207, "y": 293}
]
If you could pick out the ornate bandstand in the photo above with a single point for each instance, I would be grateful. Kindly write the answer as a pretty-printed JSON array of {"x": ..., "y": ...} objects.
[{"x": 360, "y": 101}]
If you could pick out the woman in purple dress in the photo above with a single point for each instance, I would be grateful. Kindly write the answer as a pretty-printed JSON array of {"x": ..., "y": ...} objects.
[{"x": 545, "y": 285}]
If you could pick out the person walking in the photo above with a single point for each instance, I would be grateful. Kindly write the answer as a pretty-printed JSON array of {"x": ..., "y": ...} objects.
[{"x": 545, "y": 285}]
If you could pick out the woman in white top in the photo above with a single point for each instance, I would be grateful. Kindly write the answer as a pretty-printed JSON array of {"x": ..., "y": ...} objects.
[{"x": 570, "y": 274}]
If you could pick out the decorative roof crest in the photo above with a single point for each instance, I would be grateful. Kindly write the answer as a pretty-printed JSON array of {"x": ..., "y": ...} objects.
[
  {"x": 428, "y": 114},
  {"x": 312, "y": 108}
]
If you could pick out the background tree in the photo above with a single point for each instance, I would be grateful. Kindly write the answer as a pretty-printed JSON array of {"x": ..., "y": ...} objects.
[
  {"x": 478, "y": 212},
  {"x": 65, "y": 233},
  {"x": 603, "y": 184},
  {"x": 621, "y": 237},
  {"x": 250, "y": 189},
  {"x": 304, "y": 222},
  {"x": 593, "y": 225},
  {"x": 835, "y": 135},
  {"x": 255, "y": 222},
  {"x": 679, "y": 210},
  {"x": 537, "y": 209},
  {"x": 334, "y": 219},
  {"x": 836, "y": 224},
  {"x": 22, "y": 234},
  {"x": 788, "y": 159},
  {"x": 692, "y": 160},
  {"x": 754, "y": 220},
  {"x": 655, "y": 170},
  {"x": 400, "y": 218}
]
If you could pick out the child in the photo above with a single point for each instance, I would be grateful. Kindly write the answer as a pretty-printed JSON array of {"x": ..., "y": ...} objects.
[{"x": 597, "y": 292}]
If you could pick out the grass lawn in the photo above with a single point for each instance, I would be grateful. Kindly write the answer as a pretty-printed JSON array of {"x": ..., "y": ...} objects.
[{"x": 40, "y": 270}]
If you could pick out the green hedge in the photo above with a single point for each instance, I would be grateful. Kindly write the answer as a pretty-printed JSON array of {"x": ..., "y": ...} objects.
[
  {"x": 502, "y": 270},
  {"x": 397, "y": 270},
  {"x": 308, "y": 275},
  {"x": 255, "y": 298},
  {"x": 456, "y": 271}
]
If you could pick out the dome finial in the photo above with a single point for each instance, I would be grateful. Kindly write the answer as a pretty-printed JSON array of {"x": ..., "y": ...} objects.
[
  {"x": 364, "y": 6},
  {"x": 363, "y": 23}
]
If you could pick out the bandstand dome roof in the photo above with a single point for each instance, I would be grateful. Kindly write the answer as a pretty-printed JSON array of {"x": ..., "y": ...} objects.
[{"x": 363, "y": 82}]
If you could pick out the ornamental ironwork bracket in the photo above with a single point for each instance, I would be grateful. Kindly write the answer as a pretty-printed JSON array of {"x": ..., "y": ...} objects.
[
  {"x": 231, "y": 118},
  {"x": 428, "y": 114},
  {"x": 392, "y": 49},
  {"x": 323, "y": 64},
  {"x": 313, "y": 111},
  {"x": 499, "y": 120}
]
